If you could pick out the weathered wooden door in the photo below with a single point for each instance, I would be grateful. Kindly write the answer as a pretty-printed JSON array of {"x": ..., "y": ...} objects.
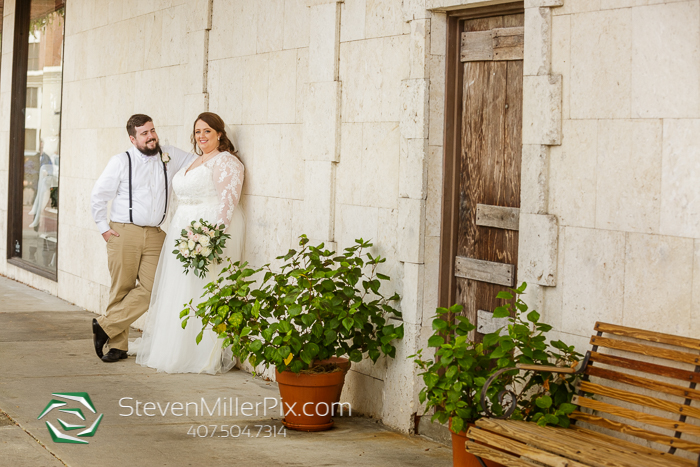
[{"x": 486, "y": 189}]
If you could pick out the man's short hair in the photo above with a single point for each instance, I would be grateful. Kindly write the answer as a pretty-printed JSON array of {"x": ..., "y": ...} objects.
[{"x": 136, "y": 120}]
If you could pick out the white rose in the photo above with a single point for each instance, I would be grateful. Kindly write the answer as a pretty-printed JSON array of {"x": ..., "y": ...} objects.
[
  {"x": 212, "y": 233},
  {"x": 186, "y": 254},
  {"x": 198, "y": 249},
  {"x": 190, "y": 244},
  {"x": 206, "y": 252},
  {"x": 204, "y": 240},
  {"x": 197, "y": 225}
]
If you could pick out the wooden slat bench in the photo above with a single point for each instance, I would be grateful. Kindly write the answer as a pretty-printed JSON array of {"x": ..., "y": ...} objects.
[{"x": 637, "y": 383}]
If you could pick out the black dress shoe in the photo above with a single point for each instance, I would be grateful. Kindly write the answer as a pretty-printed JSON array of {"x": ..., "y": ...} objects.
[
  {"x": 114, "y": 355},
  {"x": 99, "y": 337}
]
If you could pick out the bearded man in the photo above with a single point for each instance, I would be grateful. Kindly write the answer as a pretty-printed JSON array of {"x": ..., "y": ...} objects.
[{"x": 138, "y": 182}]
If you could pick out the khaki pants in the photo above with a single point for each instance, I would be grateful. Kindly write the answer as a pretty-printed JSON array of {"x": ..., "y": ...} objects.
[{"x": 132, "y": 256}]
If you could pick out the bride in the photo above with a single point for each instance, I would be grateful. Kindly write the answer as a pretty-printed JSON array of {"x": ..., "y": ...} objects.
[{"x": 210, "y": 189}]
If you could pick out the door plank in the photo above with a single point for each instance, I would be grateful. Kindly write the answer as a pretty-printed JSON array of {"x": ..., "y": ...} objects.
[
  {"x": 508, "y": 43},
  {"x": 497, "y": 216},
  {"x": 477, "y": 46},
  {"x": 485, "y": 162},
  {"x": 496, "y": 44},
  {"x": 485, "y": 271}
]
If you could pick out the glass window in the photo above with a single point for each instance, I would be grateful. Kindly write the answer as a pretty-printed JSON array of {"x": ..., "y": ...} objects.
[
  {"x": 33, "y": 206},
  {"x": 32, "y": 98},
  {"x": 33, "y": 60}
]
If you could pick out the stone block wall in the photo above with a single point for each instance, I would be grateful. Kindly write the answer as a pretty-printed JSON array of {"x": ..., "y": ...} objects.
[
  {"x": 337, "y": 109},
  {"x": 328, "y": 102},
  {"x": 120, "y": 58},
  {"x": 623, "y": 182}
]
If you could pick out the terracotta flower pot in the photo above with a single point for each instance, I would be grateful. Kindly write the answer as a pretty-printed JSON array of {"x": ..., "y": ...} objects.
[
  {"x": 460, "y": 456},
  {"x": 308, "y": 399}
]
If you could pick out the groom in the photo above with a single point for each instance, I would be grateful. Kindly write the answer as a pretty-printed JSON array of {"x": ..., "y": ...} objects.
[{"x": 138, "y": 182}]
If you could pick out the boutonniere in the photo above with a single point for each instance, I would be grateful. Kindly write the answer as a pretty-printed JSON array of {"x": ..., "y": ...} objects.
[{"x": 165, "y": 157}]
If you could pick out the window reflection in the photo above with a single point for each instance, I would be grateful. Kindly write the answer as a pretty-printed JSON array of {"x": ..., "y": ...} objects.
[{"x": 42, "y": 134}]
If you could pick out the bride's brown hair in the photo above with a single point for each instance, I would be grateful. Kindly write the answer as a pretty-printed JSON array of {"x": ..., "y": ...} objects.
[{"x": 217, "y": 124}]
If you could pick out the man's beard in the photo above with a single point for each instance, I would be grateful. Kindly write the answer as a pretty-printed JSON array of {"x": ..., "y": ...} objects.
[{"x": 149, "y": 152}]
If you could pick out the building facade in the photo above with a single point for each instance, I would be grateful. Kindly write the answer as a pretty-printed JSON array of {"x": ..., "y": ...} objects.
[{"x": 401, "y": 121}]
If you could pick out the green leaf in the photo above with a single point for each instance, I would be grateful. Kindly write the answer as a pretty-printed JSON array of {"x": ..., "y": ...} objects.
[
  {"x": 199, "y": 337},
  {"x": 355, "y": 355},
  {"x": 255, "y": 346},
  {"x": 490, "y": 339},
  {"x": 551, "y": 419},
  {"x": 329, "y": 336},
  {"x": 347, "y": 323},
  {"x": 294, "y": 310},
  {"x": 311, "y": 348},
  {"x": 533, "y": 316},
  {"x": 439, "y": 324},
  {"x": 544, "y": 402},
  {"x": 501, "y": 312},
  {"x": 236, "y": 319},
  {"x": 284, "y": 326},
  {"x": 504, "y": 295},
  {"x": 436, "y": 341},
  {"x": 308, "y": 320},
  {"x": 567, "y": 408},
  {"x": 457, "y": 425}
]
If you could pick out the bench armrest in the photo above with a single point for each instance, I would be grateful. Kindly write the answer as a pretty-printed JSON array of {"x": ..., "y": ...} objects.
[
  {"x": 546, "y": 368},
  {"x": 524, "y": 367}
]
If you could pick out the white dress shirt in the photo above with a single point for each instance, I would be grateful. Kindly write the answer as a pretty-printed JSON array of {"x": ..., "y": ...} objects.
[{"x": 148, "y": 187}]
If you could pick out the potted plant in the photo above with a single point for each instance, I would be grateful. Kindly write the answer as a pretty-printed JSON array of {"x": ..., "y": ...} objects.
[
  {"x": 310, "y": 319},
  {"x": 455, "y": 377}
]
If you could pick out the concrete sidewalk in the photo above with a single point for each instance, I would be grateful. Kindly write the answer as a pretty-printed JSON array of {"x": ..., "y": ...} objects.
[{"x": 46, "y": 347}]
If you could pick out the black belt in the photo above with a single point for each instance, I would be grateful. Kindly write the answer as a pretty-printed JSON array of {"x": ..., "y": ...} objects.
[{"x": 165, "y": 175}]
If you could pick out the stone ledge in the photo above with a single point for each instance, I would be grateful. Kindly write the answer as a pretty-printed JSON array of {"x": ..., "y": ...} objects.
[
  {"x": 322, "y": 121},
  {"x": 537, "y": 249},
  {"x": 413, "y": 173},
  {"x": 543, "y": 3},
  {"x": 534, "y": 191},
  {"x": 538, "y": 41},
  {"x": 414, "y": 108},
  {"x": 411, "y": 230},
  {"x": 542, "y": 116}
]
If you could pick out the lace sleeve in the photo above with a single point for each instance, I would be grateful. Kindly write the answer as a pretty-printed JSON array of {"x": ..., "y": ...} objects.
[{"x": 228, "y": 174}]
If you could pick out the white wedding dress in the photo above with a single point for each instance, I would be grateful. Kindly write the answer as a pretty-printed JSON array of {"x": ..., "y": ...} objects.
[{"x": 210, "y": 192}]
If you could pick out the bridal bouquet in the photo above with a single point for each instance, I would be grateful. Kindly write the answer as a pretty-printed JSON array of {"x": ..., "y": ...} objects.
[{"x": 200, "y": 244}]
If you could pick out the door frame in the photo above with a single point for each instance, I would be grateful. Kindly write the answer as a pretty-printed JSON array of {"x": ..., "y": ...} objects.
[{"x": 452, "y": 147}]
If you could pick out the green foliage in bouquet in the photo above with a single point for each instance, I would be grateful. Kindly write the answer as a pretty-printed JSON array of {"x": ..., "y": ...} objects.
[
  {"x": 319, "y": 305},
  {"x": 200, "y": 244},
  {"x": 455, "y": 377}
]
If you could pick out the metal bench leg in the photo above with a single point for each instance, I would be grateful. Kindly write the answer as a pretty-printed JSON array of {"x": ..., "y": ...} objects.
[{"x": 484, "y": 465}]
